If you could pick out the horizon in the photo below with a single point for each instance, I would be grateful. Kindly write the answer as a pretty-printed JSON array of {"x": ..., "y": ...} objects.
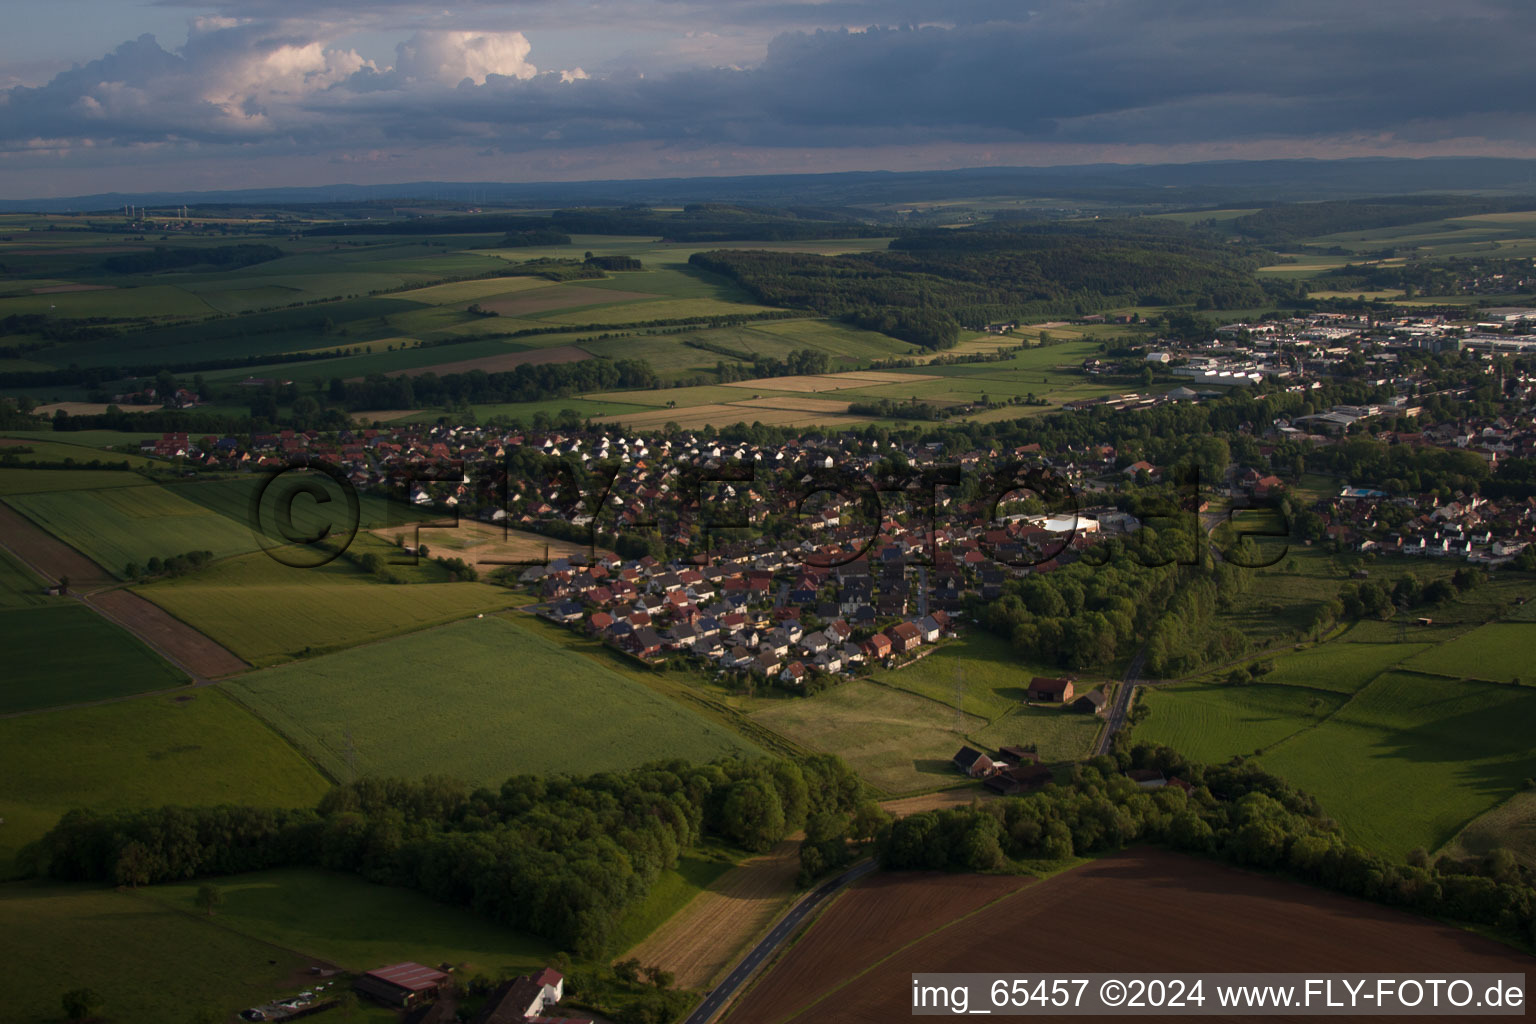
[{"x": 200, "y": 95}]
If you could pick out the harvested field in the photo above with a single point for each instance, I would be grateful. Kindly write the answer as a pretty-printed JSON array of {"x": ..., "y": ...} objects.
[
  {"x": 382, "y": 415},
  {"x": 486, "y": 545},
  {"x": 58, "y": 289},
  {"x": 829, "y": 381},
  {"x": 794, "y": 402},
  {"x": 944, "y": 799},
  {"x": 499, "y": 363},
  {"x": 167, "y": 634},
  {"x": 695, "y": 416},
  {"x": 1141, "y": 911},
  {"x": 703, "y": 938},
  {"x": 888, "y": 910},
  {"x": 47, "y": 554},
  {"x": 544, "y": 300},
  {"x": 88, "y": 409}
]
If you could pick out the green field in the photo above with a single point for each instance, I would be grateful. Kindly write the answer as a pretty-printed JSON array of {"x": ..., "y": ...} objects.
[
  {"x": 18, "y": 587},
  {"x": 1412, "y": 758},
  {"x": 1335, "y": 666},
  {"x": 1056, "y": 733},
  {"x": 480, "y": 700},
  {"x": 151, "y": 964},
  {"x": 978, "y": 673},
  {"x": 194, "y": 748},
  {"x": 268, "y": 612},
  {"x": 1212, "y": 723},
  {"x": 61, "y": 451},
  {"x": 354, "y": 924},
  {"x": 898, "y": 742},
  {"x": 1499, "y": 651},
  {"x": 117, "y": 525},
  {"x": 67, "y": 654},
  {"x": 1511, "y": 825},
  {"x": 40, "y": 481},
  {"x": 673, "y": 889}
]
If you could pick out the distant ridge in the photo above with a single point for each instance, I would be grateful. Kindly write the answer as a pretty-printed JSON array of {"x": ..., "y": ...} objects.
[{"x": 1196, "y": 184}]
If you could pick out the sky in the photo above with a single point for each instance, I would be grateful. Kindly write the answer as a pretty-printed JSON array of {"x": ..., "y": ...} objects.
[{"x": 118, "y": 95}]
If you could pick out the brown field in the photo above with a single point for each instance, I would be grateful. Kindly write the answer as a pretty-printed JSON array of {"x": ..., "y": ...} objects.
[
  {"x": 829, "y": 381},
  {"x": 960, "y": 796},
  {"x": 694, "y": 416},
  {"x": 382, "y": 415},
  {"x": 700, "y": 941},
  {"x": 175, "y": 640},
  {"x": 56, "y": 289},
  {"x": 796, "y": 403},
  {"x": 486, "y": 545},
  {"x": 542, "y": 300},
  {"x": 498, "y": 364},
  {"x": 889, "y": 910},
  {"x": 1140, "y": 911},
  {"x": 47, "y": 554},
  {"x": 84, "y": 409}
]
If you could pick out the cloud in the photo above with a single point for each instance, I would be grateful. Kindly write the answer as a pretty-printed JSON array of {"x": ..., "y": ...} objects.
[
  {"x": 876, "y": 74},
  {"x": 453, "y": 57}
]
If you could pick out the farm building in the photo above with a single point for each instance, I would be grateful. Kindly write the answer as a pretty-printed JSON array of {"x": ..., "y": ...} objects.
[
  {"x": 1147, "y": 778},
  {"x": 1018, "y": 779},
  {"x": 1050, "y": 688},
  {"x": 401, "y": 985},
  {"x": 974, "y": 763},
  {"x": 1018, "y": 755},
  {"x": 524, "y": 1000},
  {"x": 1091, "y": 703}
]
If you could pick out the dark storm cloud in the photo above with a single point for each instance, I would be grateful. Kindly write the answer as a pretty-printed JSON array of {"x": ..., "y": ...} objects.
[{"x": 1086, "y": 71}]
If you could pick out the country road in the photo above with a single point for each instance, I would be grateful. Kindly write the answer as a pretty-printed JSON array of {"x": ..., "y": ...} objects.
[
  {"x": 722, "y": 993},
  {"x": 1114, "y": 720}
]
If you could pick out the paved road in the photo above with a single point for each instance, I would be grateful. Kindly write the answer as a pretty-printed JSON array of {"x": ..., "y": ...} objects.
[
  {"x": 1115, "y": 718},
  {"x": 727, "y": 989}
]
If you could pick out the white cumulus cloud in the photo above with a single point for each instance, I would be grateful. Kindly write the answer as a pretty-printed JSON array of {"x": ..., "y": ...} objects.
[{"x": 451, "y": 57}]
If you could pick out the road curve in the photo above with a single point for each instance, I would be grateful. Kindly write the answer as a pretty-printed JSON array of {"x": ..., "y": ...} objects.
[{"x": 724, "y": 992}]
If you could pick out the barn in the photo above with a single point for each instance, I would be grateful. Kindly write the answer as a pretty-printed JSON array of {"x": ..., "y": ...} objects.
[
  {"x": 1049, "y": 688},
  {"x": 400, "y": 985}
]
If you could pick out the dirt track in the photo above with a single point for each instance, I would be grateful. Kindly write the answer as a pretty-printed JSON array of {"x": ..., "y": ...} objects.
[
  {"x": 173, "y": 639},
  {"x": 182, "y": 644},
  {"x": 47, "y": 554},
  {"x": 1140, "y": 911},
  {"x": 703, "y": 938}
]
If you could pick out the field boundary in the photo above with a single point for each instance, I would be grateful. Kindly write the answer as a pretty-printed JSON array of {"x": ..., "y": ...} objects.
[
  {"x": 272, "y": 728},
  {"x": 1028, "y": 886}
]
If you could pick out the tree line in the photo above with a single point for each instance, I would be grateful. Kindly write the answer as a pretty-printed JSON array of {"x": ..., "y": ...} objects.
[
  {"x": 562, "y": 858},
  {"x": 1235, "y": 813}
]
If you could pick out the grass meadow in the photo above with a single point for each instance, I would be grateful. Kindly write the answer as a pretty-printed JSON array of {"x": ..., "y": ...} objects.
[
  {"x": 479, "y": 700},
  {"x": 1499, "y": 651},
  {"x": 897, "y": 741},
  {"x": 118, "y": 525},
  {"x": 193, "y": 748},
  {"x": 68, "y": 654},
  {"x": 150, "y": 963},
  {"x": 1213, "y": 722},
  {"x": 357, "y": 925},
  {"x": 267, "y": 612},
  {"x": 1412, "y": 758}
]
